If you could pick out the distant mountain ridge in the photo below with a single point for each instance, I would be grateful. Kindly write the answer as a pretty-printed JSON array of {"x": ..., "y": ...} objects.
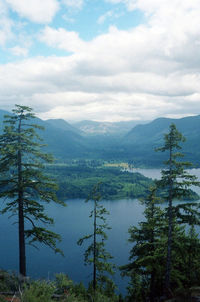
[
  {"x": 154, "y": 131},
  {"x": 145, "y": 138},
  {"x": 106, "y": 128},
  {"x": 63, "y": 125},
  {"x": 106, "y": 141},
  {"x": 62, "y": 139}
]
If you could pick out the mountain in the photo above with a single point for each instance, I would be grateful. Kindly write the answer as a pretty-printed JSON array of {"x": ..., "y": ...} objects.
[
  {"x": 153, "y": 132},
  {"x": 106, "y": 128},
  {"x": 113, "y": 141},
  {"x": 62, "y": 140},
  {"x": 63, "y": 125},
  {"x": 142, "y": 140},
  {"x": 62, "y": 143}
]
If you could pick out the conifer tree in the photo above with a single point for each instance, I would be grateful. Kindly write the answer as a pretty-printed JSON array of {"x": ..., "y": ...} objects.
[
  {"x": 23, "y": 181},
  {"x": 147, "y": 256},
  {"x": 175, "y": 182},
  {"x": 189, "y": 255},
  {"x": 96, "y": 253}
]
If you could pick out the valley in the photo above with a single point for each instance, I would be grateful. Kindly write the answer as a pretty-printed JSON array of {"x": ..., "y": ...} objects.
[{"x": 133, "y": 142}]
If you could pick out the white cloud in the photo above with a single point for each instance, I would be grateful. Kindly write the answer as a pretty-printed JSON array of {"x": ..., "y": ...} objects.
[
  {"x": 103, "y": 17},
  {"x": 61, "y": 38},
  {"x": 19, "y": 51},
  {"x": 73, "y": 3},
  {"x": 109, "y": 15},
  {"x": 130, "y": 4},
  {"x": 54, "y": 87},
  {"x": 5, "y": 30},
  {"x": 35, "y": 10},
  {"x": 148, "y": 71},
  {"x": 5, "y": 24},
  {"x": 12, "y": 31}
]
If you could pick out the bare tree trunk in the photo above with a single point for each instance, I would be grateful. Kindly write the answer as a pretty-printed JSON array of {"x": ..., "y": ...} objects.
[
  {"x": 152, "y": 286},
  {"x": 95, "y": 249},
  {"x": 152, "y": 239},
  {"x": 170, "y": 226},
  {"x": 22, "y": 251},
  {"x": 169, "y": 247}
]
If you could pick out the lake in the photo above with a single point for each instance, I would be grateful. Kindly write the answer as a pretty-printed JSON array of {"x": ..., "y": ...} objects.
[{"x": 73, "y": 222}]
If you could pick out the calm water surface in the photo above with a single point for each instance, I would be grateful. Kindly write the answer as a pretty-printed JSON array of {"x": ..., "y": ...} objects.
[{"x": 72, "y": 222}]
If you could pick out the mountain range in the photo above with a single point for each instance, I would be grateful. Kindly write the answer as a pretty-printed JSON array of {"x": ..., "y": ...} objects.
[
  {"x": 106, "y": 128},
  {"x": 146, "y": 138},
  {"x": 117, "y": 141}
]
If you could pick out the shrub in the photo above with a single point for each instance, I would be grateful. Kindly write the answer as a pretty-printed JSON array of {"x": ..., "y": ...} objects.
[{"x": 38, "y": 291}]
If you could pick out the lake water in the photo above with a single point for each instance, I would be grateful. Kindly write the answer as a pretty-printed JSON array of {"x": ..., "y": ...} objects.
[{"x": 72, "y": 223}]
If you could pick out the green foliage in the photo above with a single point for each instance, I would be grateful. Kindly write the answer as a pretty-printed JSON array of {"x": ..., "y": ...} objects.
[
  {"x": 100, "y": 297},
  {"x": 66, "y": 287},
  {"x": 62, "y": 283},
  {"x": 75, "y": 181},
  {"x": 38, "y": 291},
  {"x": 165, "y": 257},
  {"x": 8, "y": 281},
  {"x": 96, "y": 253},
  {"x": 62, "y": 289},
  {"x": 176, "y": 182},
  {"x": 190, "y": 256},
  {"x": 79, "y": 290},
  {"x": 148, "y": 253},
  {"x": 23, "y": 180}
]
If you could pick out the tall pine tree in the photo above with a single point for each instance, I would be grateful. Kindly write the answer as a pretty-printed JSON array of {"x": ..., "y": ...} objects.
[
  {"x": 147, "y": 256},
  {"x": 175, "y": 182},
  {"x": 24, "y": 182},
  {"x": 96, "y": 253}
]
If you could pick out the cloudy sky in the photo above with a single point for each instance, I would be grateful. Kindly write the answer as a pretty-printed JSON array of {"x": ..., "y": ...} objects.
[{"x": 104, "y": 60}]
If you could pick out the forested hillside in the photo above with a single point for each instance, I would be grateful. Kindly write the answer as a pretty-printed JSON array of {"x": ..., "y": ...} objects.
[
  {"x": 114, "y": 141},
  {"x": 142, "y": 140},
  {"x": 76, "y": 181}
]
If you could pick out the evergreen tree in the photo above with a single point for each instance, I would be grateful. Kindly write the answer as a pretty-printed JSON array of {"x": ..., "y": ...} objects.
[
  {"x": 175, "y": 182},
  {"x": 147, "y": 256},
  {"x": 96, "y": 253},
  {"x": 23, "y": 181},
  {"x": 190, "y": 255}
]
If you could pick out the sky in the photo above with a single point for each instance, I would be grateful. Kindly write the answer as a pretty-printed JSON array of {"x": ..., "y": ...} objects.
[{"x": 103, "y": 60}]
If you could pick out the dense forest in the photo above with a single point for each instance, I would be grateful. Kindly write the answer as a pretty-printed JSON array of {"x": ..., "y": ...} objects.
[
  {"x": 76, "y": 181},
  {"x": 165, "y": 254}
]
